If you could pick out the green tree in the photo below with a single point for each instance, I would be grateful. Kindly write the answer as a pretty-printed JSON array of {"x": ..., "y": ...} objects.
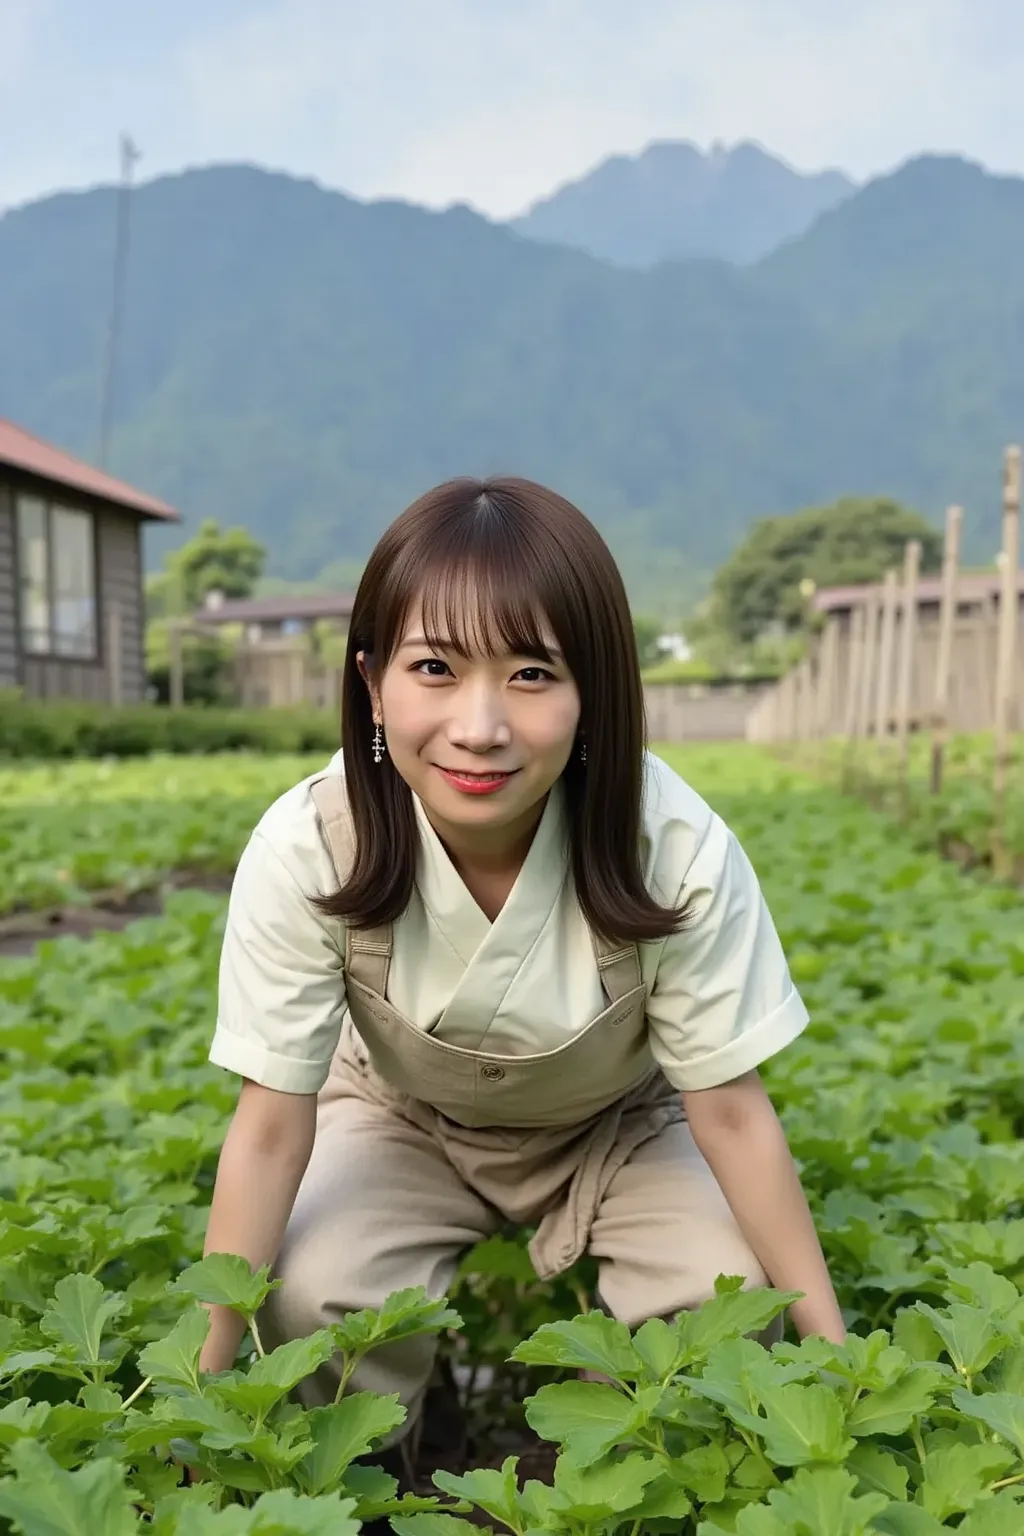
[
  {"x": 213, "y": 560},
  {"x": 647, "y": 632},
  {"x": 766, "y": 584}
]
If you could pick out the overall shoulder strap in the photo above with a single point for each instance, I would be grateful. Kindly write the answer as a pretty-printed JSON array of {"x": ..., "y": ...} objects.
[
  {"x": 367, "y": 951},
  {"x": 618, "y": 966}
]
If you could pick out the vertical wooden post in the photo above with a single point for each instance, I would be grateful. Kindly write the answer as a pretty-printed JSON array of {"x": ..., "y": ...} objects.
[
  {"x": 1006, "y": 658},
  {"x": 115, "y": 653},
  {"x": 883, "y": 693},
  {"x": 854, "y": 671},
  {"x": 828, "y": 653},
  {"x": 908, "y": 636},
  {"x": 944, "y": 660},
  {"x": 828, "y": 659},
  {"x": 868, "y": 675},
  {"x": 177, "y": 665}
]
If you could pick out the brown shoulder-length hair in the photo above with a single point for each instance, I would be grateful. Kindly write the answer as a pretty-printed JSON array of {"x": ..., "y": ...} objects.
[{"x": 530, "y": 559}]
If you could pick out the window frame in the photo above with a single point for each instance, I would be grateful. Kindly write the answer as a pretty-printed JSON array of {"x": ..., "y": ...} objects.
[{"x": 49, "y": 502}]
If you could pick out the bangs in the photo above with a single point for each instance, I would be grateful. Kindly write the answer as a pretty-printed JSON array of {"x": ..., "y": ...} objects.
[{"x": 478, "y": 589}]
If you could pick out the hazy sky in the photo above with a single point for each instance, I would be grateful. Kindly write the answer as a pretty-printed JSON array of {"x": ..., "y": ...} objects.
[{"x": 496, "y": 102}]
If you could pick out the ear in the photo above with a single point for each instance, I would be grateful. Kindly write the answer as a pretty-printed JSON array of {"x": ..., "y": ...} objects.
[{"x": 364, "y": 661}]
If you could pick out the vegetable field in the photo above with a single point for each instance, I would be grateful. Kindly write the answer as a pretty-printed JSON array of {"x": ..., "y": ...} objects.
[{"x": 904, "y": 1104}]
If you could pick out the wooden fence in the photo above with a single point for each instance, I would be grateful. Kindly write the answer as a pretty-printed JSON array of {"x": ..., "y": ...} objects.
[{"x": 909, "y": 656}]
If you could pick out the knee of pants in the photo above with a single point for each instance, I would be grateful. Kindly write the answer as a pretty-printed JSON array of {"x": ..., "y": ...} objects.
[{"x": 316, "y": 1291}]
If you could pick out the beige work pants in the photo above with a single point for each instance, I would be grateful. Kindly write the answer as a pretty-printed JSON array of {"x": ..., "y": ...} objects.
[{"x": 382, "y": 1207}]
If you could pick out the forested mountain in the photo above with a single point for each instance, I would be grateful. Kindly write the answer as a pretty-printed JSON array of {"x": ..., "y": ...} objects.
[
  {"x": 304, "y": 364},
  {"x": 674, "y": 200}
]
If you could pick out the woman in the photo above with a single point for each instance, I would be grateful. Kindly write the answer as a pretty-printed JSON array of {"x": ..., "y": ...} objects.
[{"x": 499, "y": 963}]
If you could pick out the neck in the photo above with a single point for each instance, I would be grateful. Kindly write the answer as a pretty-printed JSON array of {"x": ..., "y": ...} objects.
[{"x": 489, "y": 851}]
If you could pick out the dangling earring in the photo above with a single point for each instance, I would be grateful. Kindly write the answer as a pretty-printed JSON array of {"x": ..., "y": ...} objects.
[
  {"x": 378, "y": 743},
  {"x": 583, "y": 751}
]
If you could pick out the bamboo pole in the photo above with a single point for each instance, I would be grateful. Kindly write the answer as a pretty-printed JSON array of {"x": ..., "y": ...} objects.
[
  {"x": 883, "y": 692},
  {"x": 1006, "y": 658},
  {"x": 871, "y": 611},
  {"x": 908, "y": 636},
  {"x": 858, "y": 638},
  {"x": 944, "y": 660}
]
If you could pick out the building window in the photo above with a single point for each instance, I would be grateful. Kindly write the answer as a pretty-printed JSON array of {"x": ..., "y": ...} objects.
[{"x": 57, "y": 573}]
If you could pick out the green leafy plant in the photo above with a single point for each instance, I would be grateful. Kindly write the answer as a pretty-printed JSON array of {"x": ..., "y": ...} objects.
[{"x": 903, "y": 1103}]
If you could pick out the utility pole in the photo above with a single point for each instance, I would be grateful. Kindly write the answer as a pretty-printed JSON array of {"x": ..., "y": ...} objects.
[{"x": 129, "y": 155}]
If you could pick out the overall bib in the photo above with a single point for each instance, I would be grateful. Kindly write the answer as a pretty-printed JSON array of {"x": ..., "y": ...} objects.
[{"x": 424, "y": 1148}]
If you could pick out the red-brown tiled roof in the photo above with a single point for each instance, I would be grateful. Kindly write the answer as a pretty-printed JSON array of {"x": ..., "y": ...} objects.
[
  {"x": 21, "y": 450},
  {"x": 969, "y": 585}
]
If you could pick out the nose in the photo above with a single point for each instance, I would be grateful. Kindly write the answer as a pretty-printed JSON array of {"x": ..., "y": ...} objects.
[{"x": 479, "y": 721}]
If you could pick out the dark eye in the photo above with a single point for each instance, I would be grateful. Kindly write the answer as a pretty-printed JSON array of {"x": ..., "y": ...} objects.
[
  {"x": 431, "y": 662},
  {"x": 535, "y": 675}
]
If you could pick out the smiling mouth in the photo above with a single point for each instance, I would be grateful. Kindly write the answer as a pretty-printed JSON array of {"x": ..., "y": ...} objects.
[
  {"x": 482, "y": 774},
  {"x": 476, "y": 782}
]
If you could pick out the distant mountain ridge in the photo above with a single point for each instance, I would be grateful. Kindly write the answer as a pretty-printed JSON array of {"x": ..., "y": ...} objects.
[
  {"x": 674, "y": 200},
  {"x": 305, "y": 364}
]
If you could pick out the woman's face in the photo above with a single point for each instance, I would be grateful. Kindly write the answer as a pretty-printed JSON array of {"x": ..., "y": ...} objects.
[{"x": 479, "y": 740}]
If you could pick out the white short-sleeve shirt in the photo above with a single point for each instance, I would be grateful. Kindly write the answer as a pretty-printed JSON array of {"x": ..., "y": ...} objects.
[{"x": 720, "y": 997}]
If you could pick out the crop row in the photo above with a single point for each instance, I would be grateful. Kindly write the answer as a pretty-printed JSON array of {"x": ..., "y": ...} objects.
[
  {"x": 904, "y": 1104},
  {"x": 72, "y": 832},
  {"x": 962, "y": 820}
]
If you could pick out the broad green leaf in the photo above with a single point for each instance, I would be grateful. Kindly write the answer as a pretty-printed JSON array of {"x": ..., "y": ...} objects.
[
  {"x": 803, "y": 1425},
  {"x": 908, "y": 1520},
  {"x": 704, "y": 1471},
  {"x": 42, "y": 1499},
  {"x": 501, "y": 1258},
  {"x": 998, "y": 1516},
  {"x": 664, "y": 1499},
  {"x": 496, "y": 1493},
  {"x": 174, "y": 1360},
  {"x": 26, "y": 1363},
  {"x": 892, "y": 1410},
  {"x": 956, "y": 1478},
  {"x": 1001, "y": 1411},
  {"x": 342, "y": 1432},
  {"x": 588, "y": 1418},
  {"x": 914, "y": 1334},
  {"x": 616, "y": 1486},
  {"x": 225, "y": 1280},
  {"x": 981, "y": 1285},
  {"x": 78, "y": 1316},
  {"x": 971, "y": 1336},
  {"x": 659, "y": 1347},
  {"x": 292, "y": 1362},
  {"x": 273, "y": 1376},
  {"x": 594, "y": 1342},
  {"x": 732, "y": 1313},
  {"x": 878, "y": 1471},
  {"x": 284, "y": 1513},
  {"x": 816, "y": 1502},
  {"x": 403, "y": 1315},
  {"x": 22, "y": 1419}
]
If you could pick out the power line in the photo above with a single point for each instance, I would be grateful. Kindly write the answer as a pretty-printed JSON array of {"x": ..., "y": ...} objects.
[{"x": 129, "y": 155}]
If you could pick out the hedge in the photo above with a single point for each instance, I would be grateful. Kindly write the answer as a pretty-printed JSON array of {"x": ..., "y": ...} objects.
[{"x": 59, "y": 728}]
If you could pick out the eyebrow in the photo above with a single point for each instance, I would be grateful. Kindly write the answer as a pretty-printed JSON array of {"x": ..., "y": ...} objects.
[{"x": 435, "y": 643}]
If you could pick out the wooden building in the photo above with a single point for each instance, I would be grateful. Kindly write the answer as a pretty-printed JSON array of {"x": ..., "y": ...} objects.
[
  {"x": 71, "y": 597},
  {"x": 287, "y": 649}
]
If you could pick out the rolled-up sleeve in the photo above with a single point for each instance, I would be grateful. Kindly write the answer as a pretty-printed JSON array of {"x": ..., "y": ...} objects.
[
  {"x": 281, "y": 995},
  {"x": 722, "y": 1001}
]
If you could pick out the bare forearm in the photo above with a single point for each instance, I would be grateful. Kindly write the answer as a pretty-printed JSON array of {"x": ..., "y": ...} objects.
[
  {"x": 751, "y": 1160},
  {"x": 258, "y": 1177}
]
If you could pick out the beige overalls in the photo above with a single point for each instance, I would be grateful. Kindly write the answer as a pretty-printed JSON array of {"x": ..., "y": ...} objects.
[{"x": 423, "y": 1148}]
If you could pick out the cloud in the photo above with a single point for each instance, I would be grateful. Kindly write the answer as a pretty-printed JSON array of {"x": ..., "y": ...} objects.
[{"x": 496, "y": 102}]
